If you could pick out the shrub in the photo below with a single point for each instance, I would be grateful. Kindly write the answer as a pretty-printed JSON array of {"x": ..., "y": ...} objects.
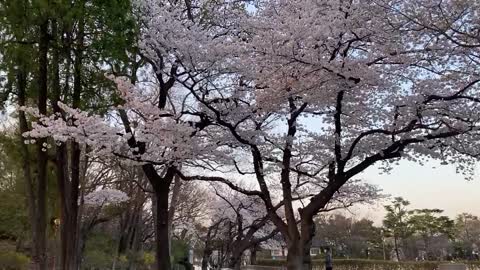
[
  {"x": 378, "y": 264},
  {"x": 179, "y": 250},
  {"x": 359, "y": 264},
  {"x": 141, "y": 260},
  {"x": 10, "y": 260},
  {"x": 97, "y": 259},
  {"x": 148, "y": 258}
]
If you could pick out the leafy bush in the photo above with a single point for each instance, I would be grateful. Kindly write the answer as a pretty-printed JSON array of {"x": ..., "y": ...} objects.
[
  {"x": 148, "y": 258},
  {"x": 99, "y": 251},
  {"x": 141, "y": 260},
  {"x": 378, "y": 264},
  {"x": 179, "y": 251},
  {"x": 271, "y": 262},
  {"x": 122, "y": 262},
  {"x": 97, "y": 259},
  {"x": 10, "y": 260},
  {"x": 359, "y": 264}
]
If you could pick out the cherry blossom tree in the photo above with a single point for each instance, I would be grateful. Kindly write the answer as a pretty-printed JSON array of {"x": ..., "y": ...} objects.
[
  {"x": 105, "y": 196},
  {"x": 241, "y": 223},
  {"x": 155, "y": 134},
  {"x": 350, "y": 88},
  {"x": 208, "y": 236},
  {"x": 190, "y": 207},
  {"x": 251, "y": 225},
  {"x": 302, "y": 96}
]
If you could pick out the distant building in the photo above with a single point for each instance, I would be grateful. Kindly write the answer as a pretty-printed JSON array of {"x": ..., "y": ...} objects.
[{"x": 280, "y": 250}]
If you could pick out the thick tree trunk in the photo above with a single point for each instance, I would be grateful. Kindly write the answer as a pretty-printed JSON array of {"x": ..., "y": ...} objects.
[
  {"x": 295, "y": 256},
  {"x": 69, "y": 186},
  {"x": 27, "y": 173},
  {"x": 68, "y": 209},
  {"x": 70, "y": 236},
  {"x": 205, "y": 258},
  {"x": 299, "y": 242},
  {"x": 82, "y": 240},
  {"x": 307, "y": 233},
  {"x": 135, "y": 242},
  {"x": 253, "y": 255},
  {"x": 298, "y": 257},
  {"x": 177, "y": 185},
  {"x": 60, "y": 154},
  {"x": 42, "y": 156},
  {"x": 161, "y": 230},
  {"x": 235, "y": 260},
  {"x": 126, "y": 221},
  {"x": 71, "y": 240}
]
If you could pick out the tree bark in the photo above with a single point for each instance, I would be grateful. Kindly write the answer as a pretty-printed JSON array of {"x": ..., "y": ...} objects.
[
  {"x": 60, "y": 150},
  {"x": 253, "y": 255},
  {"x": 161, "y": 229},
  {"x": 307, "y": 233},
  {"x": 395, "y": 243},
  {"x": 68, "y": 168},
  {"x": 160, "y": 184},
  {"x": 298, "y": 257},
  {"x": 295, "y": 255},
  {"x": 177, "y": 185},
  {"x": 68, "y": 159},
  {"x": 27, "y": 173},
  {"x": 61, "y": 165},
  {"x": 235, "y": 259},
  {"x": 42, "y": 156},
  {"x": 205, "y": 258},
  {"x": 75, "y": 148}
]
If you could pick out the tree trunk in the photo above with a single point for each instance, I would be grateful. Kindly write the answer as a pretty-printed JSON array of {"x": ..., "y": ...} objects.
[
  {"x": 60, "y": 156},
  {"x": 235, "y": 260},
  {"x": 298, "y": 257},
  {"x": 207, "y": 251},
  {"x": 307, "y": 234},
  {"x": 26, "y": 162},
  {"x": 71, "y": 240},
  {"x": 161, "y": 230},
  {"x": 427, "y": 248},
  {"x": 295, "y": 256},
  {"x": 82, "y": 240},
  {"x": 126, "y": 222},
  {"x": 395, "y": 243},
  {"x": 205, "y": 258},
  {"x": 177, "y": 185},
  {"x": 253, "y": 255},
  {"x": 68, "y": 160},
  {"x": 68, "y": 236},
  {"x": 42, "y": 156}
]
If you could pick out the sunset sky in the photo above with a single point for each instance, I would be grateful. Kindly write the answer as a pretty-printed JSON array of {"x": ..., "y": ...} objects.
[{"x": 425, "y": 187}]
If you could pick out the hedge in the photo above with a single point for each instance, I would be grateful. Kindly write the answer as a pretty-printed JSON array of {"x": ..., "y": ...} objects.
[
  {"x": 11, "y": 260},
  {"x": 362, "y": 264}
]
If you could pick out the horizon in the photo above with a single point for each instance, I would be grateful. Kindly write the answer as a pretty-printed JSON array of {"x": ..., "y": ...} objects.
[{"x": 424, "y": 186}]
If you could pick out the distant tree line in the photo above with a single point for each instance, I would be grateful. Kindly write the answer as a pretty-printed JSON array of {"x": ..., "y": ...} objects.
[{"x": 406, "y": 234}]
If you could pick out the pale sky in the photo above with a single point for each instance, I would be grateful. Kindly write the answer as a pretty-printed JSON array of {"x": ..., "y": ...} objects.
[{"x": 425, "y": 187}]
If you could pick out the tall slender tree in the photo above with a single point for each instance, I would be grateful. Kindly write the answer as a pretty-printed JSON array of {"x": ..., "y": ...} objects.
[{"x": 397, "y": 223}]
